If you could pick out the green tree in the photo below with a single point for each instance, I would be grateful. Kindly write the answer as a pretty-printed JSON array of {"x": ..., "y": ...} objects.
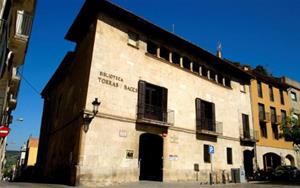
[
  {"x": 291, "y": 130},
  {"x": 261, "y": 69}
]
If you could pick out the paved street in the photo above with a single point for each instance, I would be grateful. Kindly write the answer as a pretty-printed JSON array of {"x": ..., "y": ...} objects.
[{"x": 146, "y": 184}]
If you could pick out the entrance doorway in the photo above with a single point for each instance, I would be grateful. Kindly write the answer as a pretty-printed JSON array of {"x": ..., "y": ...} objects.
[
  {"x": 248, "y": 162},
  {"x": 151, "y": 157},
  {"x": 271, "y": 161}
]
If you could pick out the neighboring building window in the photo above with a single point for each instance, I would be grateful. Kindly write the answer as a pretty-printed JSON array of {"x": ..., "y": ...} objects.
[
  {"x": 229, "y": 155},
  {"x": 133, "y": 39},
  {"x": 271, "y": 94},
  {"x": 205, "y": 115},
  {"x": 273, "y": 115},
  {"x": 281, "y": 97},
  {"x": 259, "y": 90},
  {"x": 206, "y": 154},
  {"x": 246, "y": 128},
  {"x": 293, "y": 96},
  {"x": 263, "y": 129},
  {"x": 152, "y": 101},
  {"x": 243, "y": 88},
  {"x": 275, "y": 131},
  {"x": 261, "y": 110}
]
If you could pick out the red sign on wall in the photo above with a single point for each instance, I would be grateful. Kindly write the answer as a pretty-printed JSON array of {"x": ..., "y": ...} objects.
[{"x": 4, "y": 131}]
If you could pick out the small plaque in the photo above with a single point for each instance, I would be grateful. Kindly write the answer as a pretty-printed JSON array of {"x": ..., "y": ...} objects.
[{"x": 123, "y": 133}]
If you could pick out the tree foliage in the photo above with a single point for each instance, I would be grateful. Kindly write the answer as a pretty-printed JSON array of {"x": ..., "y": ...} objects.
[
  {"x": 261, "y": 69},
  {"x": 291, "y": 130}
]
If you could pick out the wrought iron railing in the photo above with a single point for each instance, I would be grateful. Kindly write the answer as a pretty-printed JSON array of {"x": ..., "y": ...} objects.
[
  {"x": 249, "y": 135},
  {"x": 209, "y": 125},
  {"x": 23, "y": 24},
  {"x": 154, "y": 113}
]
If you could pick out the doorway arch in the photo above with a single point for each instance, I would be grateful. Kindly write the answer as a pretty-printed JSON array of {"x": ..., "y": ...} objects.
[
  {"x": 271, "y": 161},
  {"x": 289, "y": 160},
  {"x": 151, "y": 157}
]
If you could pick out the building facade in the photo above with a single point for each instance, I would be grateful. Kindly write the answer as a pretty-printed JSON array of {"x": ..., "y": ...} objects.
[
  {"x": 164, "y": 103},
  {"x": 15, "y": 27},
  {"x": 270, "y": 105},
  {"x": 294, "y": 103}
]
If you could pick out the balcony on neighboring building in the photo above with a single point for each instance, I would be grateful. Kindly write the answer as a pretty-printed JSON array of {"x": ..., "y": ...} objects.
[
  {"x": 12, "y": 102},
  {"x": 275, "y": 119},
  {"x": 264, "y": 116},
  {"x": 23, "y": 25},
  {"x": 156, "y": 115},
  {"x": 209, "y": 127},
  {"x": 15, "y": 80}
]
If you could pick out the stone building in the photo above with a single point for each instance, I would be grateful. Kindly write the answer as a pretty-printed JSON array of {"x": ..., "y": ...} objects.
[
  {"x": 16, "y": 18},
  {"x": 270, "y": 105},
  {"x": 164, "y": 102},
  {"x": 294, "y": 102}
]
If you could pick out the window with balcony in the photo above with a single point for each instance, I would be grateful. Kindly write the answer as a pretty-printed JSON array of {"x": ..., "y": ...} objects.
[
  {"x": 229, "y": 155},
  {"x": 261, "y": 111},
  {"x": 275, "y": 131},
  {"x": 273, "y": 115},
  {"x": 263, "y": 129},
  {"x": 271, "y": 94},
  {"x": 259, "y": 90},
  {"x": 152, "y": 102},
  {"x": 23, "y": 24},
  {"x": 205, "y": 115},
  {"x": 246, "y": 128},
  {"x": 281, "y": 97},
  {"x": 206, "y": 155}
]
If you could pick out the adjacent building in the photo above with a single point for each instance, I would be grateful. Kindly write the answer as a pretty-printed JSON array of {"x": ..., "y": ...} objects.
[
  {"x": 164, "y": 103},
  {"x": 270, "y": 105},
  {"x": 294, "y": 103},
  {"x": 15, "y": 27}
]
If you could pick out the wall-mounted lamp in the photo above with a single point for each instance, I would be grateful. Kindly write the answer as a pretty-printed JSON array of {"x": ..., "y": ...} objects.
[{"x": 87, "y": 118}]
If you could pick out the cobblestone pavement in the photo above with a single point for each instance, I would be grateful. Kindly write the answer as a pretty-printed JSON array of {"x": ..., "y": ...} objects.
[{"x": 146, "y": 184}]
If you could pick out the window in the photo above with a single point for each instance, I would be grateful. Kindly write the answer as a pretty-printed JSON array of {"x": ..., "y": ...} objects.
[
  {"x": 133, "y": 39},
  {"x": 152, "y": 101},
  {"x": 293, "y": 96},
  {"x": 152, "y": 48},
  {"x": 262, "y": 115},
  {"x": 176, "y": 58},
  {"x": 246, "y": 128},
  {"x": 205, "y": 115},
  {"x": 263, "y": 129},
  {"x": 275, "y": 131},
  {"x": 281, "y": 97},
  {"x": 259, "y": 90},
  {"x": 283, "y": 116},
  {"x": 206, "y": 155},
  {"x": 271, "y": 94},
  {"x": 273, "y": 115},
  {"x": 164, "y": 53},
  {"x": 229, "y": 155},
  {"x": 227, "y": 82}
]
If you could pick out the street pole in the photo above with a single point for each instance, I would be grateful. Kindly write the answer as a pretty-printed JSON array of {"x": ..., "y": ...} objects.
[{"x": 211, "y": 169}]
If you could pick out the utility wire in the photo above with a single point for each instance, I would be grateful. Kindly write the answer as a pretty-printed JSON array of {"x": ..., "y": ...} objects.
[{"x": 29, "y": 84}]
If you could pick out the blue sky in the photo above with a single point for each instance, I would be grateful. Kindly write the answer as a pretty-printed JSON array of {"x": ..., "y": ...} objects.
[{"x": 251, "y": 32}]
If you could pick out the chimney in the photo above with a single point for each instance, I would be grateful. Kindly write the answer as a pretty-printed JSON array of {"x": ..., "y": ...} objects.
[{"x": 219, "y": 48}]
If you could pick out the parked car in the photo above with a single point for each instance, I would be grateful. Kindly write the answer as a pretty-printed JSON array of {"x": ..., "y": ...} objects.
[{"x": 286, "y": 173}]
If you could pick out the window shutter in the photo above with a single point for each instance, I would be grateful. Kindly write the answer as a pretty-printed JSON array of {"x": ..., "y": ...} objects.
[
  {"x": 141, "y": 98},
  {"x": 165, "y": 104},
  {"x": 198, "y": 112},
  {"x": 213, "y": 116}
]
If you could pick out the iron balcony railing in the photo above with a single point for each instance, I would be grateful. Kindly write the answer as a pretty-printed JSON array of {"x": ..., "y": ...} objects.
[
  {"x": 208, "y": 126},
  {"x": 275, "y": 119},
  {"x": 152, "y": 114},
  {"x": 264, "y": 116},
  {"x": 23, "y": 24},
  {"x": 249, "y": 135}
]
